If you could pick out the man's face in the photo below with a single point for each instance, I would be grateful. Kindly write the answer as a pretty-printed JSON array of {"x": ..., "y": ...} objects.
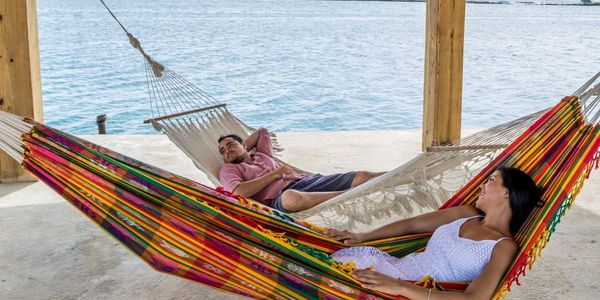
[{"x": 232, "y": 151}]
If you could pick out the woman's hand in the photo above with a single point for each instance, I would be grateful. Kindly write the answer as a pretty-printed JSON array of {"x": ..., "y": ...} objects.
[
  {"x": 379, "y": 282},
  {"x": 346, "y": 236}
]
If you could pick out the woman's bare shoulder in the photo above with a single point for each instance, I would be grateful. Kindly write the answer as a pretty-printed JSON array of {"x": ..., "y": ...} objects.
[
  {"x": 505, "y": 250},
  {"x": 464, "y": 211}
]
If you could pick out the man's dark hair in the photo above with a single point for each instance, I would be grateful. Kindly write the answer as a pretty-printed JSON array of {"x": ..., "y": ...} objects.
[{"x": 233, "y": 136}]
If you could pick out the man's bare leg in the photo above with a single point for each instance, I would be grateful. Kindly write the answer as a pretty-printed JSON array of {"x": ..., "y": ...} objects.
[
  {"x": 293, "y": 200},
  {"x": 364, "y": 176}
]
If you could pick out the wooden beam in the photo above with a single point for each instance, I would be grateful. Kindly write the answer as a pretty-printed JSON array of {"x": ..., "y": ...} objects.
[
  {"x": 189, "y": 112},
  {"x": 442, "y": 91},
  {"x": 20, "y": 83}
]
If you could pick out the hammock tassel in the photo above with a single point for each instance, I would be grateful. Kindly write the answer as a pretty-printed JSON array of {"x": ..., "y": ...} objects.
[
  {"x": 502, "y": 292},
  {"x": 346, "y": 268},
  {"x": 427, "y": 282}
]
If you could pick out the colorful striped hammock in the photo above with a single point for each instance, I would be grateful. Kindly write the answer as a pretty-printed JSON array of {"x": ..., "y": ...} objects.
[{"x": 225, "y": 241}]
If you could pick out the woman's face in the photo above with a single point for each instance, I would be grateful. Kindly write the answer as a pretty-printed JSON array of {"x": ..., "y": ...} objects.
[{"x": 493, "y": 192}]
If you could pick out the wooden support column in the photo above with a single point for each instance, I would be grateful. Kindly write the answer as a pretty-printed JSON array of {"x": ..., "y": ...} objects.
[
  {"x": 20, "y": 84},
  {"x": 442, "y": 91}
]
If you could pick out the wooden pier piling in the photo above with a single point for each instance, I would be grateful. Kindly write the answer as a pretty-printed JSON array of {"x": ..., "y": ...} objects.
[
  {"x": 20, "y": 83},
  {"x": 442, "y": 89}
]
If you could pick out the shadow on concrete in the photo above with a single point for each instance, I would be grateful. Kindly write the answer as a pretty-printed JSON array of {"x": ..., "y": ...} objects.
[{"x": 9, "y": 188}]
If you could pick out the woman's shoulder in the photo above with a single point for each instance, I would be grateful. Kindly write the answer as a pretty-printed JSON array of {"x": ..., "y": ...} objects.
[
  {"x": 464, "y": 211},
  {"x": 506, "y": 247},
  {"x": 454, "y": 215}
]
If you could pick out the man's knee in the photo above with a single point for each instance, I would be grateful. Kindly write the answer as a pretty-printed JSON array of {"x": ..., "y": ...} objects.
[
  {"x": 291, "y": 200},
  {"x": 364, "y": 176}
]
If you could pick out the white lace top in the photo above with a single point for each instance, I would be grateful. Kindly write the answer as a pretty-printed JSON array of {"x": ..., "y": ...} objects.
[{"x": 448, "y": 257}]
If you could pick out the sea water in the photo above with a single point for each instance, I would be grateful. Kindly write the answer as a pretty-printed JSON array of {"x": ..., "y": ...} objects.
[{"x": 306, "y": 65}]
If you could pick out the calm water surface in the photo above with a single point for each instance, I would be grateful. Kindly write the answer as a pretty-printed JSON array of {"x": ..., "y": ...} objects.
[{"x": 306, "y": 65}]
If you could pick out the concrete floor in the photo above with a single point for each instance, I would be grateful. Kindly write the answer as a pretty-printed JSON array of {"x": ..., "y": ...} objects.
[{"x": 49, "y": 250}]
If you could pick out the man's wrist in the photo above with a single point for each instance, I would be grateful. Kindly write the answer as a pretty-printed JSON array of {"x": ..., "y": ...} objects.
[{"x": 276, "y": 174}]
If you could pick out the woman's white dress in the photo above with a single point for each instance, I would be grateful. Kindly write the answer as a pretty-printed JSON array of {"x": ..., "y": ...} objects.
[{"x": 448, "y": 257}]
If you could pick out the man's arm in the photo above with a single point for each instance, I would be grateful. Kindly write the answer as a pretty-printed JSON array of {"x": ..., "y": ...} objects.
[
  {"x": 252, "y": 140},
  {"x": 250, "y": 188},
  {"x": 261, "y": 142}
]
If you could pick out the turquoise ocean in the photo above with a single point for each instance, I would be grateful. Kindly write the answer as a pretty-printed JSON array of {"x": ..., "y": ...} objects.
[{"x": 306, "y": 65}]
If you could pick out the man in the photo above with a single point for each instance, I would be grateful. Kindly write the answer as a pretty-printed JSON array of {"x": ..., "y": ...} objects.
[{"x": 251, "y": 171}]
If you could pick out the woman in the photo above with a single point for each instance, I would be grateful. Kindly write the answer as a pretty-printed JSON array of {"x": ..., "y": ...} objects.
[{"x": 468, "y": 243}]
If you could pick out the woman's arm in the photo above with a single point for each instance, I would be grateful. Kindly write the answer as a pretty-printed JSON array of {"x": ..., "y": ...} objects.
[
  {"x": 502, "y": 257},
  {"x": 482, "y": 287},
  {"x": 423, "y": 223}
]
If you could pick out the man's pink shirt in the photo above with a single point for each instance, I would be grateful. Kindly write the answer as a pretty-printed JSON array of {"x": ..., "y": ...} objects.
[{"x": 231, "y": 175}]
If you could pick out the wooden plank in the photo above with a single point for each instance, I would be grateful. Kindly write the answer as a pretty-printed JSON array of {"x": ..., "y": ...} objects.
[
  {"x": 184, "y": 113},
  {"x": 20, "y": 83},
  {"x": 464, "y": 148},
  {"x": 442, "y": 89}
]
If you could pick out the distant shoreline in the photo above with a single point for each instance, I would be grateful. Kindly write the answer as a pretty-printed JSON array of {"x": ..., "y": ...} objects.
[{"x": 492, "y": 2}]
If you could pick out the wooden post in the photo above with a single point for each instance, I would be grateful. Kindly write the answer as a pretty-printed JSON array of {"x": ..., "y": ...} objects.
[
  {"x": 20, "y": 84},
  {"x": 101, "y": 122},
  {"x": 442, "y": 91}
]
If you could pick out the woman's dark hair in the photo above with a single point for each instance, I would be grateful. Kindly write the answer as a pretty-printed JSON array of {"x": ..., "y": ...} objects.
[{"x": 523, "y": 195}]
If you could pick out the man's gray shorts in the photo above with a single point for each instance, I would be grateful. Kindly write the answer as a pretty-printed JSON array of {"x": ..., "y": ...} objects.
[{"x": 317, "y": 183}]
